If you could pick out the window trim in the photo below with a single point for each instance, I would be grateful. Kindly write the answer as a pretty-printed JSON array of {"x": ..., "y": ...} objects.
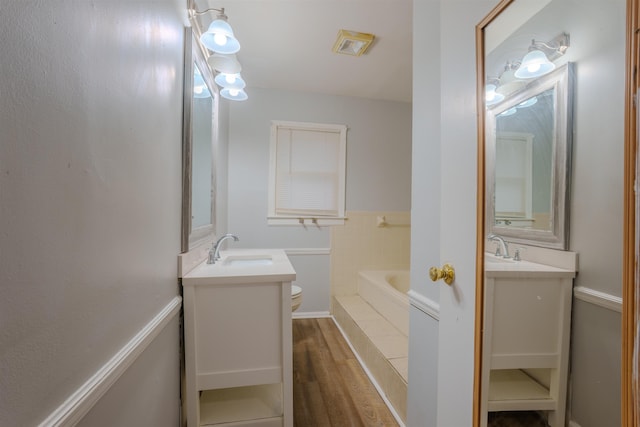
[{"x": 313, "y": 219}]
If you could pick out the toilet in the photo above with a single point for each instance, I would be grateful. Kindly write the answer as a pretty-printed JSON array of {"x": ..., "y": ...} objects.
[{"x": 296, "y": 297}]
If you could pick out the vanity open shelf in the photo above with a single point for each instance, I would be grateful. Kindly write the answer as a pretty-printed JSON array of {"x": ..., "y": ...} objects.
[{"x": 527, "y": 320}]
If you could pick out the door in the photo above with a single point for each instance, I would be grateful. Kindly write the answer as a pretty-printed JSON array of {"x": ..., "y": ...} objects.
[{"x": 441, "y": 336}]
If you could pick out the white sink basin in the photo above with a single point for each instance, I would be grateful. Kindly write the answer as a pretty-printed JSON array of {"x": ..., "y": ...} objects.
[
  {"x": 238, "y": 266},
  {"x": 247, "y": 260},
  {"x": 497, "y": 259}
]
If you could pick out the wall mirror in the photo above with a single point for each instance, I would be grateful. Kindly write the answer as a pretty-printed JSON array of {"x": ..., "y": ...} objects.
[
  {"x": 199, "y": 136},
  {"x": 528, "y": 153}
]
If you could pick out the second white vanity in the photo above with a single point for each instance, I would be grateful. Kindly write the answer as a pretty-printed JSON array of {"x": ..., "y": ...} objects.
[
  {"x": 527, "y": 324},
  {"x": 238, "y": 349}
]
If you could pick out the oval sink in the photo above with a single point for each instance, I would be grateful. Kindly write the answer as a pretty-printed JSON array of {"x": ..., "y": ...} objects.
[{"x": 239, "y": 260}]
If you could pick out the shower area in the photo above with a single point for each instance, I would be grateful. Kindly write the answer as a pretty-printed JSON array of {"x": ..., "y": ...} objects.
[{"x": 369, "y": 283}]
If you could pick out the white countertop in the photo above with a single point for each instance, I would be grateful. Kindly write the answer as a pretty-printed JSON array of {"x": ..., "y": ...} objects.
[
  {"x": 236, "y": 266},
  {"x": 508, "y": 268}
]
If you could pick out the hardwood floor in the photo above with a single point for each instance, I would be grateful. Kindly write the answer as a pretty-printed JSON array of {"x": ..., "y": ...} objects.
[{"x": 329, "y": 386}]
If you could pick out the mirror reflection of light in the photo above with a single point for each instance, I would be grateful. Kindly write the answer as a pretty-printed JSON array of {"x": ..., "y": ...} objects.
[
  {"x": 528, "y": 103},
  {"x": 491, "y": 96},
  {"x": 509, "y": 112}
]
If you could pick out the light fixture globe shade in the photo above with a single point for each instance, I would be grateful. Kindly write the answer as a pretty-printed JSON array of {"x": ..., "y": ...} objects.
[
  {"x": 234, "y": 94},
  {"x": 534, "y": 64},
  {"x": 230, "y": 81},
  {"x": 509, "y": 84},
  {"x": 227, "y": 64},
  {"x": 219, "y": 38},
  {"x": 492, "y": 97}
]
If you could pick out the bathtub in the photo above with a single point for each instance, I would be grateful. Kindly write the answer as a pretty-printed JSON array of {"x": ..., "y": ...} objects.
[{"x": 386, "y": 291}]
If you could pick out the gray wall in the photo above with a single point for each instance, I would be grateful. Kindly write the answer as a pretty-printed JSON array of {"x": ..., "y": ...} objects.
[
  {"x": 598, "y": 36},
  {"x": 90, "y": 131},
  {"x": 378, "y": 172}
]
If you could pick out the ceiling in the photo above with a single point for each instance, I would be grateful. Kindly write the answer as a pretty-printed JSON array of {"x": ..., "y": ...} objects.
[{"x": 286, "y": 44}]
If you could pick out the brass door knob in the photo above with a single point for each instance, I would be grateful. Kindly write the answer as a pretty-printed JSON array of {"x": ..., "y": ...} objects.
[{"x": 447, "y": 273}]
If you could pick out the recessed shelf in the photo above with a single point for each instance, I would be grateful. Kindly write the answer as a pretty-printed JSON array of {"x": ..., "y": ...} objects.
[
  {"x": 232, "y": 405},
  {"x": 512, "y": 389}
]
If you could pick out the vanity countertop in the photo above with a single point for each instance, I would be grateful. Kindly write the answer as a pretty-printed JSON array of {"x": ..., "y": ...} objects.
[
  {"x": 497, "y": 267},
  {"x": 238, "y": 266}
]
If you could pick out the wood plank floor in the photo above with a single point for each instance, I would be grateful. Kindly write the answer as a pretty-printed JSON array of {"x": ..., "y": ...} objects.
[{"x": 330, "y": 389}]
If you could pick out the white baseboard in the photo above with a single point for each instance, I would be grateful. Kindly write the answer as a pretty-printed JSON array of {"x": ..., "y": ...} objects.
[
  {"x": 573, "y": 424},
  {"x": 84, "y": 398},
  {"x": 310, "y": 314}
]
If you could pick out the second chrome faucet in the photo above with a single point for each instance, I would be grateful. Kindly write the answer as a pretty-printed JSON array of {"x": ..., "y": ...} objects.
[
  {"x": 214, "y": 252},
  {"x": 503, "y": 248}
]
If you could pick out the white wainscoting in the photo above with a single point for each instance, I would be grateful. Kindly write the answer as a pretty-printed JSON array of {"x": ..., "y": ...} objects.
[{"x": 84, "y": 398}]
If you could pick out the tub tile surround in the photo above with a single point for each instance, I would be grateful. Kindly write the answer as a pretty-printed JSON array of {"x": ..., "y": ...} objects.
[
  {"x": 383, "y": 350},
  {"x": 363, "y": 244},
  {"x": 372, "y": 241}
]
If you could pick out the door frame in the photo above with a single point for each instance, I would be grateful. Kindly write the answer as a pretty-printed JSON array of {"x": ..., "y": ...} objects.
[
  {"x": 629, "y": 307},
  {"x": 630, "y": 314}
]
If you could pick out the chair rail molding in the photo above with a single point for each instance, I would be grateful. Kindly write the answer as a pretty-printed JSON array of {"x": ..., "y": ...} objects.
[
  {"x": 79, "y": 403},
  {"x": 424, "y": 304}
]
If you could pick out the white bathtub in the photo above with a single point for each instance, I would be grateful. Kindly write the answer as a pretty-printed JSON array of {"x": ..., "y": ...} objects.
[{"x": 386, "y": 291}]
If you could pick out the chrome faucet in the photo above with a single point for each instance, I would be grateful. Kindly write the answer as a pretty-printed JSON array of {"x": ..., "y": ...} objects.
[
  {"x": 214, "y": 252},
  {"x": 503, "y": 249}
]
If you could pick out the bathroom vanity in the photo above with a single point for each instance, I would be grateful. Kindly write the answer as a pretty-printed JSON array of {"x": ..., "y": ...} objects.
[
  {"x": 527, "y": 317},
  {"x": 238, "y": 349}
]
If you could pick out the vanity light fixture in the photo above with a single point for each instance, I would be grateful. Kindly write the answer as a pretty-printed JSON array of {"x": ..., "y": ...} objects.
[
  {"x": 224, "y": 63},
  {"x": 231, "y": 81},
  {"x": 233, "y": 94},
  {"x": 219, "y": 36},
  {"x": 538, "y": 61},
  {"x": 220, "y": 40},
  {"x": 352, "y": 42}
]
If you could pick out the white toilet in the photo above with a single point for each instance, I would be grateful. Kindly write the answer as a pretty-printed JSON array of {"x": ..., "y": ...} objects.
[{"x": 296, "y": 297}]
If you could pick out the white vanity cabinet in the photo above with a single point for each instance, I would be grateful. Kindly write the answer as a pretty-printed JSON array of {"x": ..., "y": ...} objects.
[
  {"x": 238, "y": 350},
  {"x": 527, "y": 323}
]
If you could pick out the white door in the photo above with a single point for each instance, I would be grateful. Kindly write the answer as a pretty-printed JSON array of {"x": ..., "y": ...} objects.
[{"x": 441, "y": 340}]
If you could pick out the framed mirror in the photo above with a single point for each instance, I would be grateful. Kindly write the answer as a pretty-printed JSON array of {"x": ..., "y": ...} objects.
[
  {"x": 528, "y": 154},
  {"x": 200, "y": 132}
]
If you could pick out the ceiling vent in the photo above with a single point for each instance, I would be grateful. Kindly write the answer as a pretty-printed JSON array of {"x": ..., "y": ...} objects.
[{"x": 352, "y": 42}]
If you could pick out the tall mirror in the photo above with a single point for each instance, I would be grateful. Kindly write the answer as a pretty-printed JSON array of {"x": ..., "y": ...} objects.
[
  {"x": 551, "y": 91},
  {"x": 199, "y": 136}
]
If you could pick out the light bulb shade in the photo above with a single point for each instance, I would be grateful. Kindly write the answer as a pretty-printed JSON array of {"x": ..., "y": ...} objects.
[
  {"x": 492, "y": 97},
  {"x": 227, "y": 64},
  {"x": 219, "y": 37},
  {"x": 230, "y": 81},
  {"x": 534, "y": 64},
  {"x": 234, "y": 94},
  {"x": 509, "y": 84}
]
